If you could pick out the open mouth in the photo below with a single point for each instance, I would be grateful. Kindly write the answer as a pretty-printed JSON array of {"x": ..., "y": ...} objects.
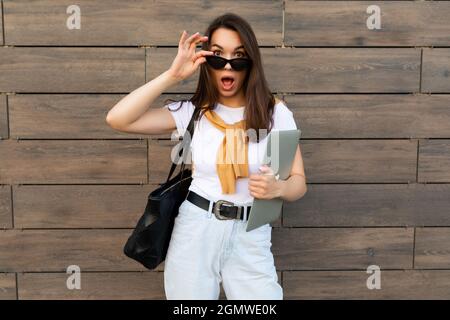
[{"x": 227, "y": 82}]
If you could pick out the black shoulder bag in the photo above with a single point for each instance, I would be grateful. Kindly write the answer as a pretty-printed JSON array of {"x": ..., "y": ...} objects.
[{"x": 150, "y": 239}]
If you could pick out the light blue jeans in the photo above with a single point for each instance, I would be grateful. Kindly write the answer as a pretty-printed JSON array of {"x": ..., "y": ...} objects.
[{"x": 205, "y": 251}]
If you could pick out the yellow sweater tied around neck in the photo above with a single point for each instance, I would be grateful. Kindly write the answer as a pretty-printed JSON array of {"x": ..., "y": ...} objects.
[{"x": 232, "y": 156}]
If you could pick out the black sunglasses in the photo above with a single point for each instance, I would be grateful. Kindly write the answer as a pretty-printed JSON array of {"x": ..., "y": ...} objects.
[{"x": 237, "y": 64}]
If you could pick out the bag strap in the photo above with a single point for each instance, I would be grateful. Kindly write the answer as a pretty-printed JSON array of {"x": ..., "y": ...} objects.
[{"x": 187, "y": 137}]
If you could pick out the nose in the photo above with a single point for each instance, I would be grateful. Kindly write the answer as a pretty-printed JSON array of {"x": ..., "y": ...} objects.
[{"x": 228, "y": 65}]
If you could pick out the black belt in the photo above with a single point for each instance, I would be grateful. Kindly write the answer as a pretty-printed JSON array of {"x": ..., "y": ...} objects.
[{"x": 222, "y": 209}]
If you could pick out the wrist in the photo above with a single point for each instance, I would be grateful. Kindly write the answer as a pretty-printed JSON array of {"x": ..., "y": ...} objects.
[
  {"x": 281, "y": 186},
  {"x": 171, "y": 77}
]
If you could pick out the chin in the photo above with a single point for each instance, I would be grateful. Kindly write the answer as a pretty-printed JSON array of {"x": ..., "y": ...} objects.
[{"x": 228, "y": 93}]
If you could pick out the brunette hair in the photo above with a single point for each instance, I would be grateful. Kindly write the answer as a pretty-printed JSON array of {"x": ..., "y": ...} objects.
[{"x": 260, "y": 102}]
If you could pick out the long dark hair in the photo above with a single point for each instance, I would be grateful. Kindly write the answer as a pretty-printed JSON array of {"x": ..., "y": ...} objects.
[{"x": 260, "y": 102}]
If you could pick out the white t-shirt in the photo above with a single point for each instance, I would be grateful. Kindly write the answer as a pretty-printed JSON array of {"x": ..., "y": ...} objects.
[{"x": 206, "y": 141}]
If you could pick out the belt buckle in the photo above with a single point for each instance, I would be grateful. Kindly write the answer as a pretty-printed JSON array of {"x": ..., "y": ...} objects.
[{"x": 217, "y": 207}]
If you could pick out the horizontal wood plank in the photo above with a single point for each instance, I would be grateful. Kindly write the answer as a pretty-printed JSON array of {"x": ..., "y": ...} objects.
[
  {"x": 372, "y": 205},
  {"x": 72, "y": 116},
  {"x": 55, "y": 250},
  {"x": 404, "y": 284},
  {"x": 8, "y": 286},
  {"x": 94, "y": 286},
  {"x": 71, "y": 70},
  {"x": 5, "y": 207},
  {"x": 344, "y": 23},
  {"x": 141, "y": 22},
  {"x": 72, "y": 161},
  {"x": 432, "y": 249},
  {"x": 315, "y": 70},
  {"x": 434, "y": 161},
  {"x": 371, "y": 116},
  {"x": 436, "y": 70},
  {"x": 336, "y": 248},
  {"x": 357, "y": 161},
  {"x": 79, "y": 206}
]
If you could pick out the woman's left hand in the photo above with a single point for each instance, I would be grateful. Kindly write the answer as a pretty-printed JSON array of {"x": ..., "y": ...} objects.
[{"x": 264, "y": 185}]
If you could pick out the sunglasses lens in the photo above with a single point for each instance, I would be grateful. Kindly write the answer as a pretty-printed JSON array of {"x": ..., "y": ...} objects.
[
  {"x": 240, "y": 64},
  {"x": 216, "y": 62},
  {"x": 237, "y": 64}
]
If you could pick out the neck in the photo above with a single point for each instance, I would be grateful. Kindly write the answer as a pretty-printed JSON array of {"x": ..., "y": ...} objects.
[{"x": 233, "y": 102}]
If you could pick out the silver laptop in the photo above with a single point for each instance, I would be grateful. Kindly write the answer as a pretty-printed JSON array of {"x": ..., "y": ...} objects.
[{"x": 279, "y": 155}]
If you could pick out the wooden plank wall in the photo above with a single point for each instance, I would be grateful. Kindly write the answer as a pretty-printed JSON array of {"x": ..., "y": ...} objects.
[{"x": 373, "y": 107}]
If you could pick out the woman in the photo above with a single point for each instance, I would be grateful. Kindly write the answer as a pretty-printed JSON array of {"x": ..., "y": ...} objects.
[{"x": 209, "y": 243}]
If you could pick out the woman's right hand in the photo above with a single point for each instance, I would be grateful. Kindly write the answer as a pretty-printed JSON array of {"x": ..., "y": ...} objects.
[{"x": 187, "y": 60}]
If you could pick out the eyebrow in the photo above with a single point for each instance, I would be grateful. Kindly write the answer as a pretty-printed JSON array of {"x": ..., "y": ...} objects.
[{"x": 222, "y": 48}]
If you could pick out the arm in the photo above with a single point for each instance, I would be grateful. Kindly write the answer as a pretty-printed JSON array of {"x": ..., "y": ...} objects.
[
  {"x": 265, "y": 186},
  {"x": 294, "y": 187},
  {"x": 131, "y": 115}
]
